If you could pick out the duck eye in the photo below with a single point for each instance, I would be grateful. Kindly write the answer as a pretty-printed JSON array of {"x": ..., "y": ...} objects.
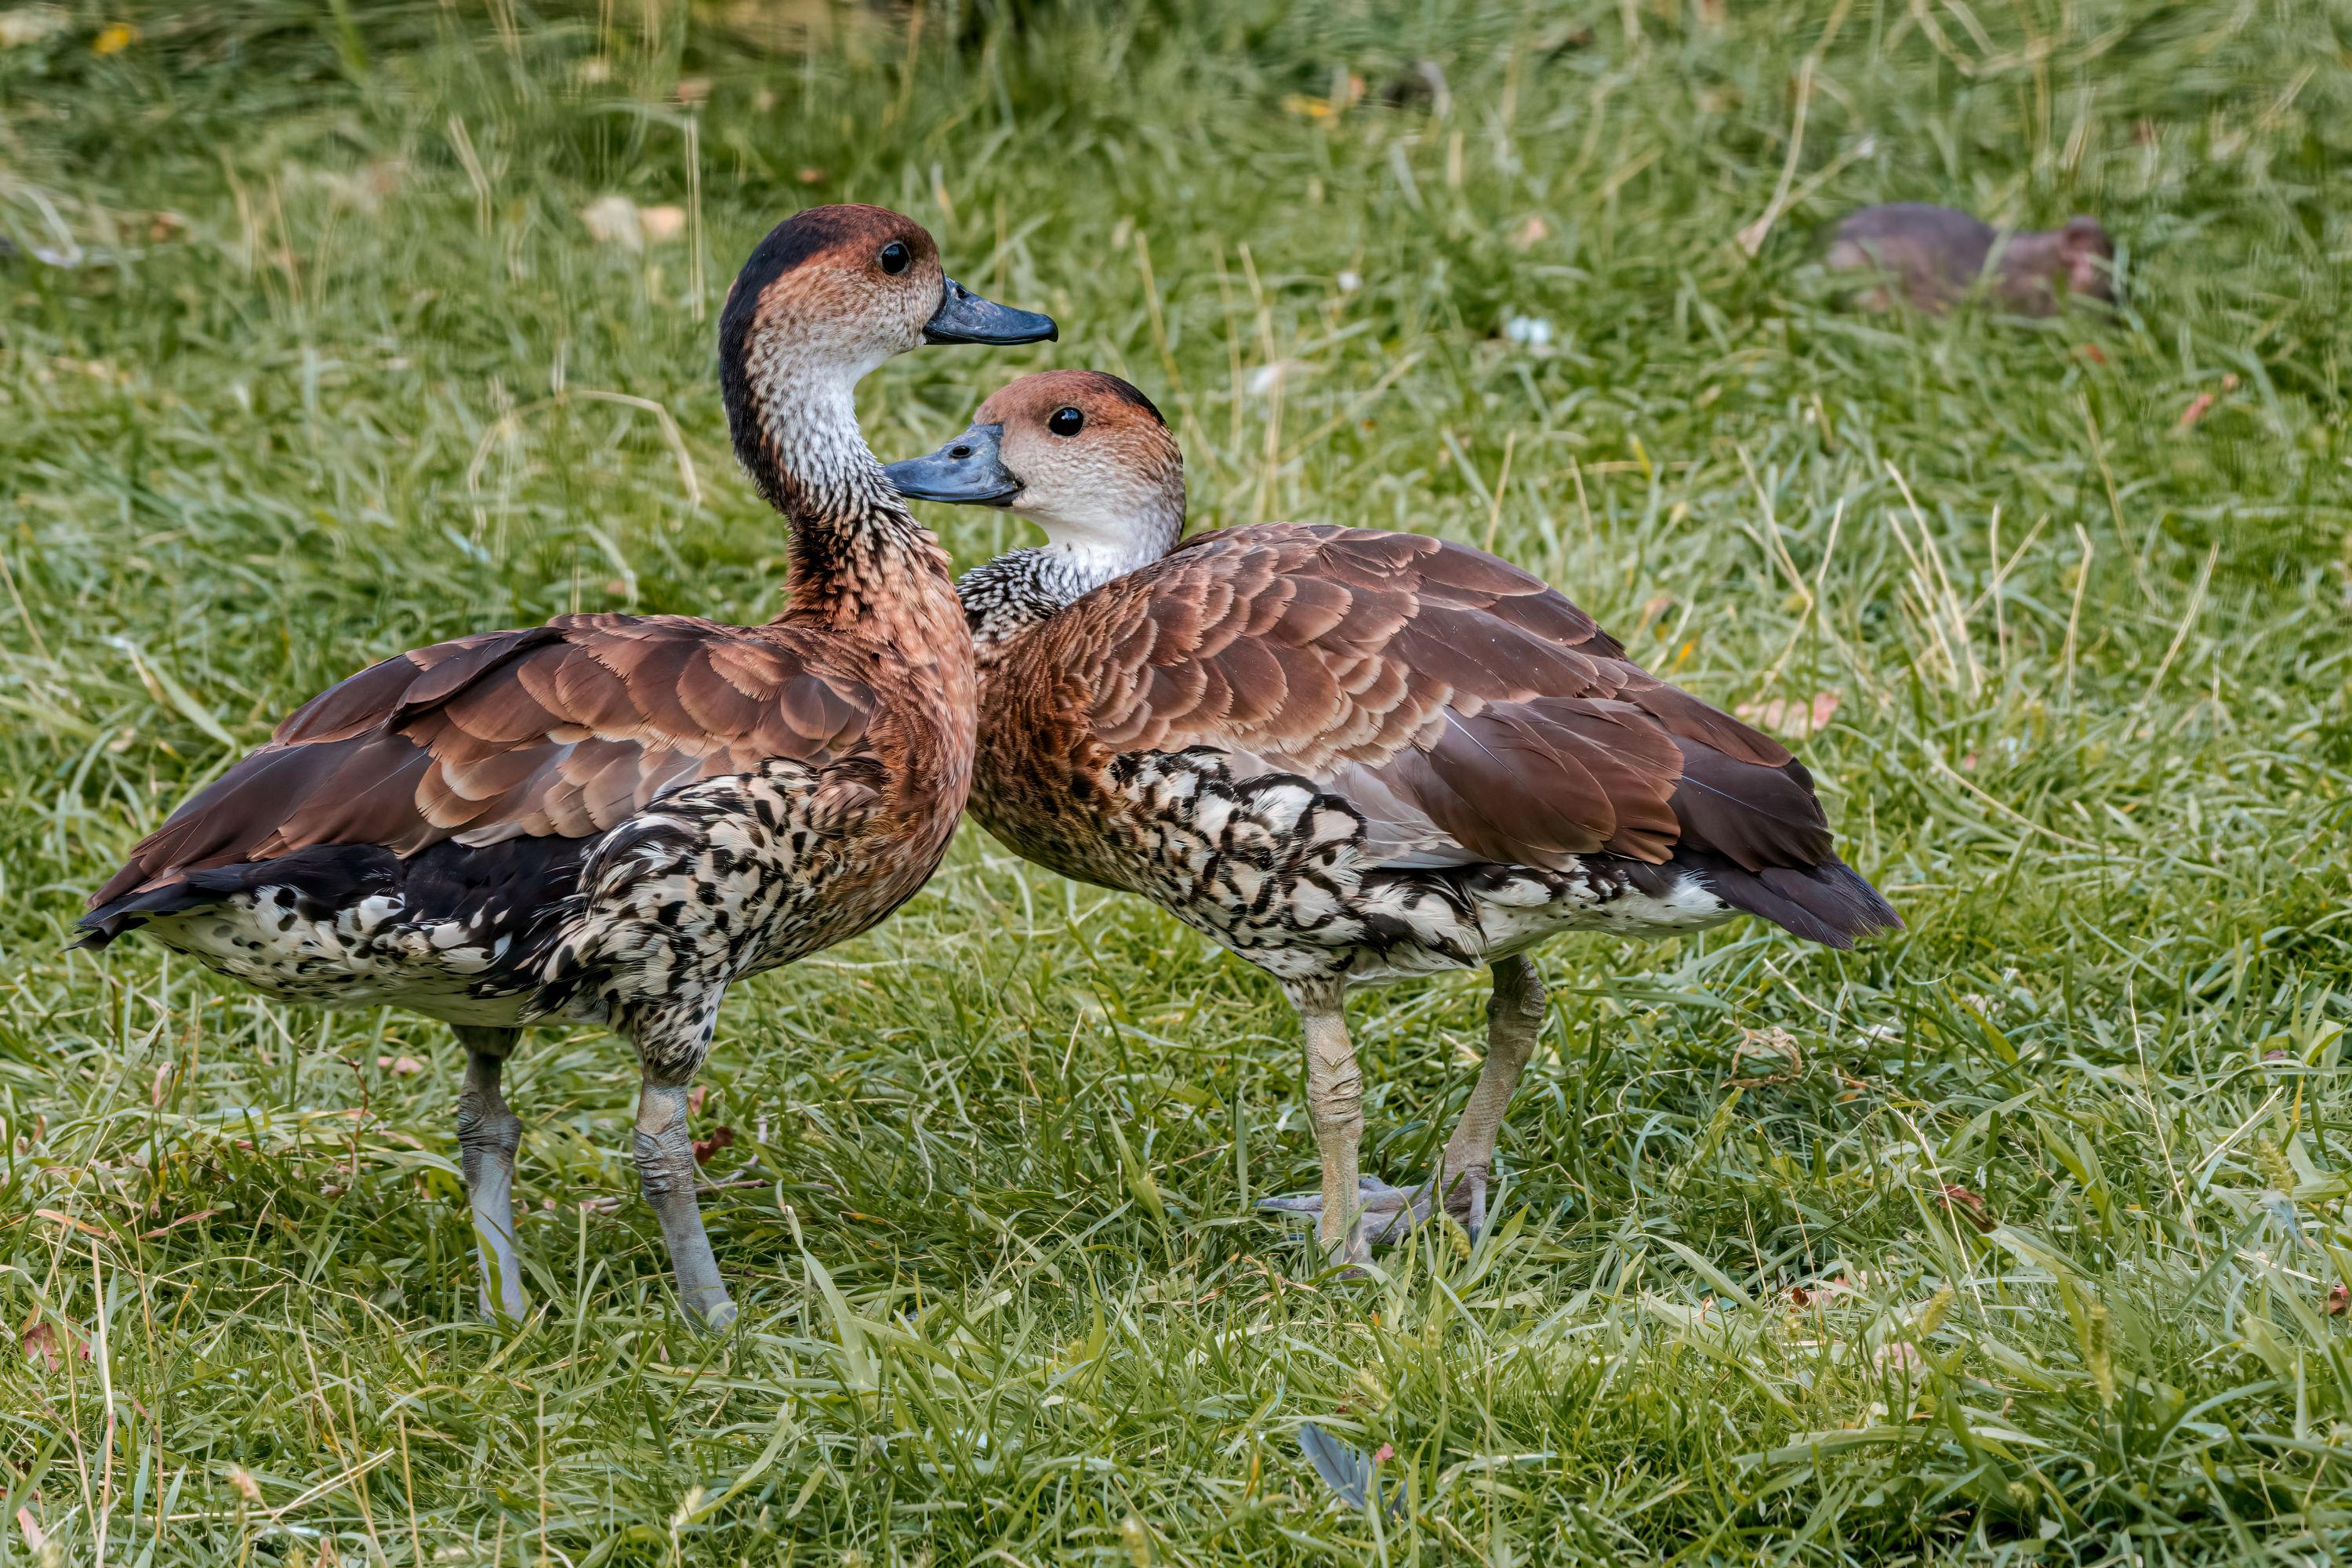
[
  {"x": 1066, "y": 421},
  {"x": 895, "y": 257}
]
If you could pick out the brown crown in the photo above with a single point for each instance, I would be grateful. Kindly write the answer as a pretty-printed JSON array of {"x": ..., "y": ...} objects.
[{"x": 1104, "y": 400}]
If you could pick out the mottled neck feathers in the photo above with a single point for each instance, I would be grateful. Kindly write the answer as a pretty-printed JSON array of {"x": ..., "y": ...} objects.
[
  {"x": 856, "y": 550},
  {"x": 1014, "y": 592}
]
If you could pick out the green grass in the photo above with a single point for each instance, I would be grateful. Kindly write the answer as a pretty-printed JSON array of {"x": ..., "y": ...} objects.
[{"x": 986, "y": 1207}]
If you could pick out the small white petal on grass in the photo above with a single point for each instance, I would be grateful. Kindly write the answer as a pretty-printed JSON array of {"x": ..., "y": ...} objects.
[
  {"x": 31, "y": 24},
  {"x": 1266, "y": 378},
  {"x": 613, "y": 220},
  {"x": 1529, "y": 331},
  {"x": 1349, "y": 282}
]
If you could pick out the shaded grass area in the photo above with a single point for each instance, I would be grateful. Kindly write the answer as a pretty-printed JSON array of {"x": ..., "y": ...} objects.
[{"x": 2010, "y": 1238}]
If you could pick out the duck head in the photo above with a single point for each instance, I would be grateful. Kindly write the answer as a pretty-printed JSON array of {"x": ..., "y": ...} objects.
[
  {"x": 2087, "y": 257},
  {"x": 830, "y": 294},
  {"x": 1084, "y": 455}
]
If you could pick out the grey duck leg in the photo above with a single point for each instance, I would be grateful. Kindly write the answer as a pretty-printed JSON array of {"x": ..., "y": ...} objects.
[
  {"x": 667, "y": 1170},
  {"x": 487, "y": 1136}
]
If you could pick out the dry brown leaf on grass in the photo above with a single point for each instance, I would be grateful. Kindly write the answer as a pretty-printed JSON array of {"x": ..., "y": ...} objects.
[
  {"x": 56, "y": 1216},
  {"x": 1346, "y": 91},
  {"x": 2202, "y": 404},
  {"x": 1792, "y": 717},
  {"x": 1774, "y": 1051},
  {"x": 42, "y": 1342},
  {"x": 184, "y": 1219},
  {"x": 613, "y": 219},
  {"x": 795, "y": 27},
  {"x": 1970, "y": 1205},
  {"x": 1898, "y": 1355}
]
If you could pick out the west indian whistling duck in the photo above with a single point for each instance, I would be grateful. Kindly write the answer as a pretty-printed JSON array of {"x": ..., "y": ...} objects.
[
  {"x": 1935, "y": 258},
  {"x": 1347, "y": 756},
  {"x": 611, "y": 818}
]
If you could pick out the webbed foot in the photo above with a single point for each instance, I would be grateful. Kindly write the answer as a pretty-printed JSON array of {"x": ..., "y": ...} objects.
[{"x": 1388, "y": 1213}]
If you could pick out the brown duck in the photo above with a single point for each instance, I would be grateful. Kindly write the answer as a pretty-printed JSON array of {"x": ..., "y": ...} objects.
[
  {"x": 611, "y": 818},
  {"x": 1935, "y": 258},
  {"x": 1346, "y": 755}
]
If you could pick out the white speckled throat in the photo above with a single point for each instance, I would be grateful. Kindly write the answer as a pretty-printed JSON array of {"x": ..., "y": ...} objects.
[
  {"x": 808, "y": 412},
  {"x": 1111, "y": 533}
]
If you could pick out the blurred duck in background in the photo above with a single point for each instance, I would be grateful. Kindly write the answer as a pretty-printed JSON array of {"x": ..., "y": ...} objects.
[{"x": 1934, "y": 257}]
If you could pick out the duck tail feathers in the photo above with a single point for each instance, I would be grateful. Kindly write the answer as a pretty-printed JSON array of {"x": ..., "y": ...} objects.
[{"x": 1828, "y": 902}]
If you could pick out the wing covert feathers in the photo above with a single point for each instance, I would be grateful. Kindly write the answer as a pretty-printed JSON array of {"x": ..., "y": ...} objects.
[
  {"x": 1483, "y": 700},
  {"x": 563, "y": 731}
]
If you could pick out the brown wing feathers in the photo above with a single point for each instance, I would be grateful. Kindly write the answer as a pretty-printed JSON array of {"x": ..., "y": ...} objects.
[
  {"x": 1471, "y": 688},
  {"x": 1535, "y": 783},
  {"x": 563, "y": 730}
]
